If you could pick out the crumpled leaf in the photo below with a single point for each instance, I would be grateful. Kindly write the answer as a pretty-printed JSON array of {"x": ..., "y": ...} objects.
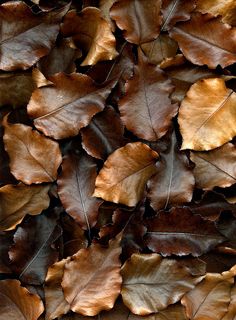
[
  {"x": 140, "y": 19},
  {"x": 34, "y": 237},
  {"x": 61, "y": 110},
  {"x": 202, "y": 46},
  {"x": 146, "y": 108},
  {"x": 207, "y": 105},
  {"x": 19, "y": 200},
  {"x": 75, "y": 188},
  {"x": 215, "y": 168},
  {"x": 180, "y": 232},
  {"x": 125, "y": 173},
  {"x": 18, "y": 303},
  {"x": 151, "y": 283},
  {"x": 105, "y": 6},
  {"x": 96, "y": 40},
  {"x": 26, "y": 37},
  {"x": 174, "y": 182},
  {"x": 98, "y": 271},
  {"x": 30, "y": 161},
  {"x": 6, "y": 239}
]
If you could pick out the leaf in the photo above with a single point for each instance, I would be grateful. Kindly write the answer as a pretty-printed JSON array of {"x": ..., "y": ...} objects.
[
  {"x": 181, "y": 233},
  {"x": 97, "y": 41},
  {"x": 56, "y": 305},
  {"x": 146, "y": 276},
  {"x": 125, "y": 173},
  {"x": 99, "y": 272},
  {"x": 207, "y": 105},
  {"x": 104, "y": 134},
  {"x": 5, "y": 242},
  {"x": 26, "y": 37},
  {"x": 17, "y": 303},
  {"x": 225, "y": 8},
  {"x": 219, "y": 164},
  {"x": 17, "y": 201},
  {"x": 30, "y": 161},
  {"x": 35, "y": 237},
  {"x": 211, "y": 295},
  {"x": 231, "y": 314},
  {"x": 201, "y": 46},
  {"x": 174, "y": 181},
  {"x": 61, "y": 110},
  {"x": 75, "y": 188},
  {"x": 175, "y": 11},
  {"x": 140, "y": 19},
  {"x": 146, "y": 108},
  {"x": 105, "y": 6}
]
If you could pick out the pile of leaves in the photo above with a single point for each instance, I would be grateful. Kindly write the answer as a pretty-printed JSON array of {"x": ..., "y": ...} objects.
[{"x": 118, "y": 160}]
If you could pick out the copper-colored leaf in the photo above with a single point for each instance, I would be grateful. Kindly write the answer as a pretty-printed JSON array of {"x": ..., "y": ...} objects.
[
  {"x": 17, "y": 201},
  {"x": 98, "y": 271},
  {"x": 30, "y": 160},
  {"x": 34, "y": 237},
  {"x": 210, "y": 299},
  {"x": 140, "y": 19},
  {"x": 151, "y": 283},
  {"x": 17, "y": 303},
  {"x": 75, "y": 188},
  {"x": 180, "y": 232},
  {"x": 56, "y": 305},
  {"x": 125, "y": 173},
  {"x": 104, "y": 134},
  {"x": 105, "y": 6},
  {"x": 174, "y": 11},
  {"x": 202, "y": 46},
  {"x": 146, "y": 108},
  {"x": 216, "y": 167},
  {"x": 207, "y": 105},
  {"x": 61, "y": 110},
  {"x": 96, "y": 40},
  {"x": 231, "y": 314},
  {"x": 26, "y": 37},
  {"x": 174, "y": 182}
]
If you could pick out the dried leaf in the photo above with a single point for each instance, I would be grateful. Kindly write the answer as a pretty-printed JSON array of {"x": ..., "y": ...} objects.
[
  {"x": 17, "y": 201},
  {"x": 151, "y": 283},
  {"x": 105, "y": 6},
  {"x": 99, "y": 272},
  {"x": 125, "y": 173},
  {"x": 231, "y": 314},
  {"x": 61, "y": 110},
  {"x": 5, "y": 242},
  {"x": 97, "y": 41},
  {"x": 140, "y": 19},
  {"x": 30, "y": 160},
  {"x": 207, "y": 105},
  {"x": 202, "y": 46}
]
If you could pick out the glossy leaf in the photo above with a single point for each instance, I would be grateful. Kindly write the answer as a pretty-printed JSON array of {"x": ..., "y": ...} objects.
[
  {"x": 61, "y": 110},
  {"x": 125, "y": 173},
  {"x": 207, "y": 105}
]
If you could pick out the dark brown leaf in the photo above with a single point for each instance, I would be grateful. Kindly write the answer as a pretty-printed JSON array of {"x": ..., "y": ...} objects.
[{"x": 6, "y": 240}]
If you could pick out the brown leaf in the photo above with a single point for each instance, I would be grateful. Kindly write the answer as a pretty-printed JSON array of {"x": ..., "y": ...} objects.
[
  {"x": 202, "y": 46},
  {"x": 61, "y": 110},
  {"x": 175, "y": 11},
  {"x": 210, "y": 298},
  {"x": 99, "y": 272},
  {"x": 6, "y": 239},
  {"x": 104, "y": 134},
  {"x": 17, "y": 303},
  {"x": 225, "y": 8},
  {"x": 17, "y": 201},
  {"x": 105, "y": 6},
  {"x": 216, "y": 167},
  {"x": 56, "y": 305},
  {"x": 140, "y": 19},
  {"x": 180, "y": 232},
  {"x": 174, "y": 181},
  {"x": 231, "y": 314},
  {"x": 26, "y": 37},
  {"x": 75, "y": 188},
  {"x": 125, "y": 173},
  {"x": 30, "y": 160},
  {"x": 34, "y": 237},
  {"x": 151, "y": 283},
  {"x": 146, "y": 108},
  {"x": 97, "y": 41},
  {"x": 207, "y": 105}
]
